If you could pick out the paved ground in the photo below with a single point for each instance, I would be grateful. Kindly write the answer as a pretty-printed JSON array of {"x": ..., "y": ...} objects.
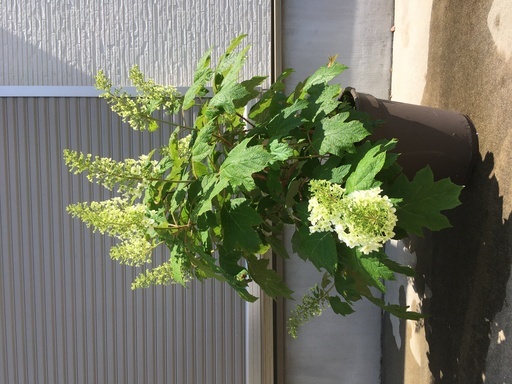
[{"x": 467, "y": 268}]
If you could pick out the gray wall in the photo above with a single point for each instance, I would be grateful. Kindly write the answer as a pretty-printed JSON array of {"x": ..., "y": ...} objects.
[
  {"x": 67, "y": 313},
  {"x": 334, "y": 349},
  {"x": 65, "y": 42},
  {"x": 359, "y": 32}
]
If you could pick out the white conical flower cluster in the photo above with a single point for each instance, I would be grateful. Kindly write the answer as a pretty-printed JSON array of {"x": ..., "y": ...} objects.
[
  {"x": 362, "y": 219},
  {"x": 131, "y": 176},
  {"x": 119, "y": 218}
]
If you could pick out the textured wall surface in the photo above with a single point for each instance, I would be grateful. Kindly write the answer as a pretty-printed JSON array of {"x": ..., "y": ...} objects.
[
  {"x": 66, "y": 42},
  {"x": 67, "y": 313}
]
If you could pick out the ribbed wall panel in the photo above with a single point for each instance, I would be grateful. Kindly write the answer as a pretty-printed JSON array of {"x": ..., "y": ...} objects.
[
  {"x": 65, "y": 42},
  {"x": 67, "y": 313}
]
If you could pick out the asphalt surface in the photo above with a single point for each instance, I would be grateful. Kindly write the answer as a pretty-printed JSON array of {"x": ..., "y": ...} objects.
[{"x": 467, "y": 267}]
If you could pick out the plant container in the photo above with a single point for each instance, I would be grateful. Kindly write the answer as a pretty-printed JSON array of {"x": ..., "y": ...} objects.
[{"x": 445, "y": 140}]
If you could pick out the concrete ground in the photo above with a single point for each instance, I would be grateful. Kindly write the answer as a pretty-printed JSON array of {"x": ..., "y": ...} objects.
[{"x": 457, "y": 55}]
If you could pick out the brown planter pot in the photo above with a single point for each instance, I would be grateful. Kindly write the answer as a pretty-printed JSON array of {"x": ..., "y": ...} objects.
[{"x": 446, "y": 141}]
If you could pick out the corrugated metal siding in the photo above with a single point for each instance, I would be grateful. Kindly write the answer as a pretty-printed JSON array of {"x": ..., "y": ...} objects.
[
  {"x": 67, "y": 314},
  {"x": 65, "y": 42}
]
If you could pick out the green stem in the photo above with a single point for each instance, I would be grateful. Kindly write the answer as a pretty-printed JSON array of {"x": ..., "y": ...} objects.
[
  {"x": 172, "y": 226},
  {"x": 157, "y": 179},
  {"x": 172, "y": 124},
  {"x": 147, "y": 178},
  {"x": 308, "y": 157},
  {"x": 245, "y": 119}
]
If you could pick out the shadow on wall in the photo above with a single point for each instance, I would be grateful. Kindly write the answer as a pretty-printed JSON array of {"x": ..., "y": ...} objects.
[
  {"x": 461, "y": 276},
  {"x": 26, "y": 64},
  {"x": 468, "y": 71},
  {"x": 466, "y": 268}
]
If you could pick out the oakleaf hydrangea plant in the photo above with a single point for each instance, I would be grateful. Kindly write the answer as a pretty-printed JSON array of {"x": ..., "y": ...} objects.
[{"x": 255, "y": 161}]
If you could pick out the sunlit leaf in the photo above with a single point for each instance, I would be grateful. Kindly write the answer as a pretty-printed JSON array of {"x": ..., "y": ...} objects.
[{"x": 423, "y": 201}]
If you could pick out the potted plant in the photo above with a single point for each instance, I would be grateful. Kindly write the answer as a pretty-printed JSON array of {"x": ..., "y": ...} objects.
[{"x": 222, "y": 190}]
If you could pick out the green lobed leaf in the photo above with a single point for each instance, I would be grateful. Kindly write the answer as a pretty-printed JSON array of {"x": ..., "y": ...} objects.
[
  {"x": 238, "y": 221},
  {"x": 398, "y": 268},
  {"x": 395, "y": 309},
  {"x": 323, "y": 74},
  {"x": 230, "y": 66},
  {"x": 277, "y": 246},
  {"x": 202, "y": 76},
  {"x": 269, "y": 281},
  {"x": 317, "y": 247},
  {"x": 203, "y": 143},
  {"x": 271, "y": 101},
  {"x": 337, "y": 135},
  {"x": 280, "y": 151},
  {"x": 349, "y": 285},
  {"x": 251, "y": 91},
  {"x": 340, "y": 307},
  {"x": 423, "y": 200},
  {"x": 234, "y": 43},
  {"x": 229, "y": 93},
  {"x": 339, "y": 173},
  {"x": 157, "y": 192},
  {"x": 230, "y": 63},
  {"x": 241, "y": 290},
  {"x": 273, "y": 185},
  {"x": 210, "y": 271},
  {"x": 180, "y": 267},
  {"x": 224, "y": 99},
  {"x": 286, "y": 120},
  {"x": 375, "y": 270},
  {"x": 332, "y": 171},
  {"x": 322, "y": 100},
  {"x": 228, "y": 260},
  {"x": 211, "y": 186},
  {"x": 242, "y": 162},
  {"x": 206, "y": 267},
  {"x": 357, "y": 276},
  {"x": 363, "y": 176}
]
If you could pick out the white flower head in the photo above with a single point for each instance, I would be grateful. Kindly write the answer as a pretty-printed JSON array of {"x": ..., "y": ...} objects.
[
  {"x": 369, "y": 220},
  {"x": 324, "y": 205},
  {"x": 184, "y": 150},
  {"x": 363, "y": 219}
]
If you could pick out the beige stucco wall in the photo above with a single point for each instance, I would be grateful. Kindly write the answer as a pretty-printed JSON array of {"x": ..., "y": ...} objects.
[{"x": 66, "y": 42}]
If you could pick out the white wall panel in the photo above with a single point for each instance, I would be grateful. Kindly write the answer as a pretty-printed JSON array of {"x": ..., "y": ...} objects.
[
  {"x": 359, "y": 31},
  {"x": 67, "y": 313},
  {"x": 65, "y": 42}
]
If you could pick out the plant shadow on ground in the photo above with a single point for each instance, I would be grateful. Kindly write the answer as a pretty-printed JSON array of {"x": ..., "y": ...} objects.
[{"x": 467, "y": 268}]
